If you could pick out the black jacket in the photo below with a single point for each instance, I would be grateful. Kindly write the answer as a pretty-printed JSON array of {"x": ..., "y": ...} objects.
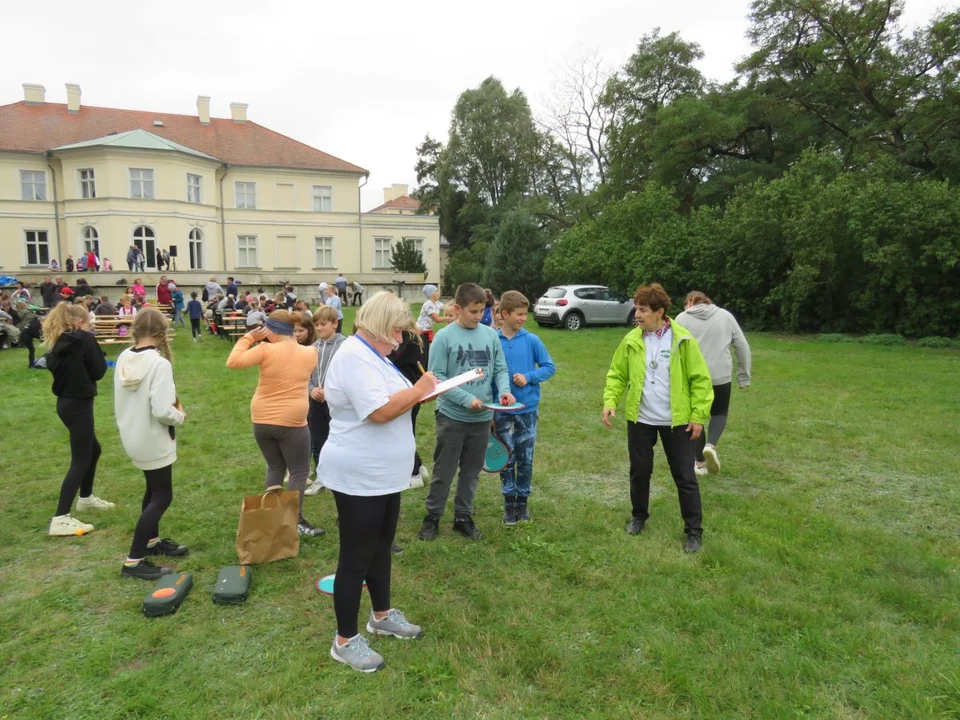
[
  {"x": 77, "y": 363},
  {"x": 48, "y": 291},
  {"x": 407, "y": 356}
]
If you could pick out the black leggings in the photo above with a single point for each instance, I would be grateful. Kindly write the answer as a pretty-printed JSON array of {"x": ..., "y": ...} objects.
[
  {"x": 195, "y": 327},
  {"x": 156, "y": 500},
  {"x": 367, "y": 528},
  {"x": 318, "y": 420},
  {"x": 417, "y": 460},
  {"x": 77, "y": 415}
]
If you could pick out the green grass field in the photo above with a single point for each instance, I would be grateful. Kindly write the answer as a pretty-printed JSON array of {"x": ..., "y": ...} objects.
[{"x": 828, "y": 585}]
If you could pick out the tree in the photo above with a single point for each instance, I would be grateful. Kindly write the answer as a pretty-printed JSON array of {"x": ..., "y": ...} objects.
[
  {"x": 404, "y": 257},
  {"x": 515, "y": 258}
]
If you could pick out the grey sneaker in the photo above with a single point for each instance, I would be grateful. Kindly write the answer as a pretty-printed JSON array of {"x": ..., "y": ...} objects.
[
  {"x": 357, "y": 654},
  {"x": 393, "y": 624}
]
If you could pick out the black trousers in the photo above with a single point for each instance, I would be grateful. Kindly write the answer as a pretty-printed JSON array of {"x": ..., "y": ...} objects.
[
  {"x": 156, "y": 500},
  {"x": 417, "y": 461},
  {"x": 340, "y": 325},
  {"x": 679, "y": 449},
  {"x": 318, "y": 418},
  {"x": 77, "y": 415},
  {"x": 357, "y": 299},
  {"x": 195, "y": 329},
  {"x": 367, "y": 528}
]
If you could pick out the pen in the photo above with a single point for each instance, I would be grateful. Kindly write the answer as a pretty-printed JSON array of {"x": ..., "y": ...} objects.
[{"x": 420, "y": 368}]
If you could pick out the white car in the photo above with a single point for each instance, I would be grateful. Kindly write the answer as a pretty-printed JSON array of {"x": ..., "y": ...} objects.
[{"x": 573, "y": 306}]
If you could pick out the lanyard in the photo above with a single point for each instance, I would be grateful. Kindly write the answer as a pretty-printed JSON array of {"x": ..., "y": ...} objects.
[{"x": 382, "y": 358}]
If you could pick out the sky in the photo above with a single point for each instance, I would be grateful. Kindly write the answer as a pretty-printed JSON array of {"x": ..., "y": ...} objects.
[{"x": 362, "y": 80}]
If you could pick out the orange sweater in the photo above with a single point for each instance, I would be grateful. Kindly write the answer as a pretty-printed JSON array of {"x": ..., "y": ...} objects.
[{"x": 285, "y": 368}]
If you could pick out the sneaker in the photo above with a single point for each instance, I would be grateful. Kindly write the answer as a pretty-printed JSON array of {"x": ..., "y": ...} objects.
[
  {"x": 424, "y": 473},
  {"x": 700, "y": 469},
  {"x": 394, "y": 624},
  {"x": 713, "y": 460},
  {"x": 144, "y": 570},
  {"x": 305, "y": 529},
  {"x": 634, "y": 527},
  {"x": 166, "y": 546},
  {"x": 693, "y": 543},
  {"x": 523, "y": 514},
  {"x": 94, "y": 503},
  {"x": 464, "y": 525},
  {"x": 66, "y": 525},
  {"x": 315, "y": 489},
  {"x": 396, "y": 549},
  {"x": 357, "y": 654},
  {"x": 416, "y": 480},
  {"x": 430, "y": 527}
]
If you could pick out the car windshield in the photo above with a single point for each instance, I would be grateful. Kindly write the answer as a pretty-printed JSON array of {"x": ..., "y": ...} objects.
[{"x": 555, "y": 292}]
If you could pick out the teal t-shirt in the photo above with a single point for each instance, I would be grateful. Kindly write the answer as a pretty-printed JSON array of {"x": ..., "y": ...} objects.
[{"x": 456, "y": 350}]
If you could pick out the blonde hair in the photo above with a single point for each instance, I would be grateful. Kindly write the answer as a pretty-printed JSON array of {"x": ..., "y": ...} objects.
[
  {"x": 381, "y": 314},
  {"x": 151, "y": 324},
  {"x": 62, "y": 319},
  {"x": 325, "y": 313}
]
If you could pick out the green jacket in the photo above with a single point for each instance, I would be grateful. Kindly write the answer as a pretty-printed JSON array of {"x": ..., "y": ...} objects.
[{"x": 691, "y": 390}]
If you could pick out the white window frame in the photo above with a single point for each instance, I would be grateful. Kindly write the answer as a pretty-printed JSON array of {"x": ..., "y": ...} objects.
[
  {"x": 317, "y": 252},
  {"x": 36, "y": 242},
  {"x": 378, "y": 252},
  {"x": 246, "y": 241},
  {"x": 248, "y": 193},
  {"x": 89, "y": 234},
  {"x": 418, "y": 246},
  {"x": 149, "y": 253},
  {"x": 88, "y": 183},
  {"x": 30, "y": 182},
  {"x": 323, "y": 195},
  {"x": 195, "y": 243},
  {"x": 143, "y": 180},
  {"x": 194, "y": 188}
]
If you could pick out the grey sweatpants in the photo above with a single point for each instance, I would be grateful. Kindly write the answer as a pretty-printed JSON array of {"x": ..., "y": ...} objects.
[
  {"x": 460, "y": 445},
  {"x": 285, "y": 448}
]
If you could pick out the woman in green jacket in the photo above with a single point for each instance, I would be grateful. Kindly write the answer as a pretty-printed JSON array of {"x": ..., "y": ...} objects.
[{"x": 669, "y": 393}]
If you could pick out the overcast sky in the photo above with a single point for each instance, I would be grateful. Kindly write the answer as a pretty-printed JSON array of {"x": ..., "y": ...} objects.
[{"x": 364, "y": 81}]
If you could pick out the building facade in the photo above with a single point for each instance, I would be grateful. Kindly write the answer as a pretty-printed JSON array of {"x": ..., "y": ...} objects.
[{"x": 225, "y": 196}]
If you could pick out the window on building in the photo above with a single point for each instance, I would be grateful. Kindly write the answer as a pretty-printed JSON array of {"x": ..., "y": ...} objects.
[
  {"x": 246, "y": 195},
  {"x": 324, "y": 247},
  {"x": 381, "y": 253},
  {"x": 33, "y": 185},
  {"x": 322, "y": 198},
  {"x": 193, "y": 188},
  {"x": 417, "y": 244},
  {"x": 38, "y": 248},
  {"x": 196, "y": 249},
  {"x": 88, "y": 185},
  {"x": 141, "y": 183},
  {"x": 145, "y": 239},
  {"x": 91, "y": 240},
  {"x": 247, "y": 251}
]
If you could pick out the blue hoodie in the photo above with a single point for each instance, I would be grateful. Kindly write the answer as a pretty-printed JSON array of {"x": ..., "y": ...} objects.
[{"x": 526, "y": 354}]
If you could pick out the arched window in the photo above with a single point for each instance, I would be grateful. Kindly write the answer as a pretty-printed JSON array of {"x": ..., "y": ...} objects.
[
  {"x": 145, "y": 239},
  {"x": 91, "y": 240},
  {"x": 196, "y": 249}
]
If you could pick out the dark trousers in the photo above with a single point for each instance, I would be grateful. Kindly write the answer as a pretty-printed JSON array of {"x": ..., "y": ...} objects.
[
  {"x": 286, "y": 449},
  {"x": 417, "y": 460},
  {"x": 340, "y": 325},
  {"x": 156, "y": 500},
  {"x": 77, "y": 415},
  {"x": 367, "y": 527},
  {"x": 319, "y": 421},
  {"x": 357, "y": 299},
  {"x": 679, "y": 449},
  {"x": 195, "y": 329},
  {"x": 718, "y": 419},
  {"x": 460, "y": 446}
]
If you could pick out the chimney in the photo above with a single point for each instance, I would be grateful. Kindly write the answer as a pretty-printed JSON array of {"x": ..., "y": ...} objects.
[
  {"x": 203, "y": 109},
  {"x": 238, "y": 111},
  {"x": 34, "y": 94},
  {"x": 394, "y": 191},
  {"x": 73, "y": 98}
]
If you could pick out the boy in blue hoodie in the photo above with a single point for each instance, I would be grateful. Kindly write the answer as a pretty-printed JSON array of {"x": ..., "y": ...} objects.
[{"x": 529, "y": 365}]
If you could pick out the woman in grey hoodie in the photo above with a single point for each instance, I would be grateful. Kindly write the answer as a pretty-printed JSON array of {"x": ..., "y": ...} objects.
[{"x": 716, "y": 330}]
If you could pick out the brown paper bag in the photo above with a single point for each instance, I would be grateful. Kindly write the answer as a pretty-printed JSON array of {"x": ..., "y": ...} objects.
[{"x": 268, "y": 527}]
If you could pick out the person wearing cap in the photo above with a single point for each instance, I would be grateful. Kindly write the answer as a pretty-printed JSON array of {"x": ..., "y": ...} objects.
[
  {"x": 66, "y": 294},
  {"x": 430, "y": 314},
  {"x": 280, "y": 404}
]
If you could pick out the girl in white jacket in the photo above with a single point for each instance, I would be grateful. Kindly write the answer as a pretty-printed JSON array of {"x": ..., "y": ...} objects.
[{"x": 148, "y": 410}]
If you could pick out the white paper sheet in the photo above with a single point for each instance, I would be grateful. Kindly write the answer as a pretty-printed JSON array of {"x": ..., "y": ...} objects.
[{"x": 457, "y": 381}]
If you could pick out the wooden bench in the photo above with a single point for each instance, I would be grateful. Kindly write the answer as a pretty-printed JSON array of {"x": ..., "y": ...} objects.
[{"x": 106, "y": 329}]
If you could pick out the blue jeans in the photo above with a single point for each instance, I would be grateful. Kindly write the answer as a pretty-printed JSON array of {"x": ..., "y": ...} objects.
[
  {"x": 178, "y": 315},
  {"x": 519, "y": 434}
]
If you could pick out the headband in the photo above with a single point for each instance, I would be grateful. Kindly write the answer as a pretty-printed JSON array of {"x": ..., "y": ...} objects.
[{"x": 279, "y": 327}]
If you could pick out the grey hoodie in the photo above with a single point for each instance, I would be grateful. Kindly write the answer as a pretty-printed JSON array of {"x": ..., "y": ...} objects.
[
  {"x": 326, "y": 349},
  {"x": 716, "y": 330}
]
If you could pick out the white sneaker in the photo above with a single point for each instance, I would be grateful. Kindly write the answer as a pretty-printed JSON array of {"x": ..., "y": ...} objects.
[
  {"x": 94, "y": 503},
  {"x": 700, "y": 469},
  {"x": 424, "y": 473},
  {"x": 713, "y": 460},
  {"x": 416, "y": 481},
  {"x": 314, "y": 489},
  {"x": 67, "y": 525}
]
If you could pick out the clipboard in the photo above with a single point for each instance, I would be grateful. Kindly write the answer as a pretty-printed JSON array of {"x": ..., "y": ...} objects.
[{"x": 456, "y": 381}]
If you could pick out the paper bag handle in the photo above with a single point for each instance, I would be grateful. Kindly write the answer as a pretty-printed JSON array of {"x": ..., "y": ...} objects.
[{"x": 269, "y": 491}]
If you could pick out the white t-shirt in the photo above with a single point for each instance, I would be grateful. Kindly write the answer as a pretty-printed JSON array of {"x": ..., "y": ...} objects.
[
  {"x": 425, "y": 322},
  {"x": 363, "y": 457},
  {"x": 655, "y": 400}
]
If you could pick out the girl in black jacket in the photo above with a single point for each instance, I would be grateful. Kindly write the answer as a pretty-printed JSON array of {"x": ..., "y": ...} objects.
[{"x": 77, "y": 363}]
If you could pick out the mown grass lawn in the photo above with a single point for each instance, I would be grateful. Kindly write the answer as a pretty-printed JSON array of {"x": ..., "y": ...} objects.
[{"x": 828, "y": 585}]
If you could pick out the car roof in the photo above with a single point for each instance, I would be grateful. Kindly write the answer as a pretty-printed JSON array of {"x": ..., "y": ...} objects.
[{"x": 578, "y": 287}]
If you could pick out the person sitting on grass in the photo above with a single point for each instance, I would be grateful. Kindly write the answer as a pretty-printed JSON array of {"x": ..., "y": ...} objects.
[
  {"x": 668, "y": 393},
  {"x": 147, "y": 409}
]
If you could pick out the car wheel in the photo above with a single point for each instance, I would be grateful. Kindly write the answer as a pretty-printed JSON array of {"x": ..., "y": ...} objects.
[
  {"x": 573, "y": 321},
  {"x": 632, "y": 319}
]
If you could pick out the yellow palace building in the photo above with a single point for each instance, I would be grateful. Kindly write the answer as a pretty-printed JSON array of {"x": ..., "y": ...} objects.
[{"x": 225, "y": 196}]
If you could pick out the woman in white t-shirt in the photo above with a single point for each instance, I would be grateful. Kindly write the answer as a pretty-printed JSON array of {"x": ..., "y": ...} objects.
[{"x": 366, "y": 463}]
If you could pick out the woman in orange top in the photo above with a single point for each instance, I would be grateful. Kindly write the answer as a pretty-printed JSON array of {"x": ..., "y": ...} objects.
[{"x": 279, "y": 406}]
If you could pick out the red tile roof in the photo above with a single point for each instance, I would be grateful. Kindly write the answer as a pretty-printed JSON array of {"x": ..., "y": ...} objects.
[
  {"x": 38, "y": 128},
  {"x": 404, "y": 202}
]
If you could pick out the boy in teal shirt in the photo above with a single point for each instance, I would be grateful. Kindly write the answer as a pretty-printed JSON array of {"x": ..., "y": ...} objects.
[{"x": 463, "y": 424}]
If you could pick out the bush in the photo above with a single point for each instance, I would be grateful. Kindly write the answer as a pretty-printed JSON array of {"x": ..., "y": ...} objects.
[
  {"x": 888, "y": 339},
  {"x": 834, "y": 338},
  {"x": 937, "y": 342}
]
